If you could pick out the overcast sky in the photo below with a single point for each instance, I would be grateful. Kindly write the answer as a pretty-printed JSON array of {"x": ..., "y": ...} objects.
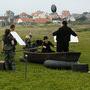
[{"x": 29, "y": 6}]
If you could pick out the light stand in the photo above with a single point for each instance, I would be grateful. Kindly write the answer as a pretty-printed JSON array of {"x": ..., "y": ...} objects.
[{"x": 26, "y": 66}]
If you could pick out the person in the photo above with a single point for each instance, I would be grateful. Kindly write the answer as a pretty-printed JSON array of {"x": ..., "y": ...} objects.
[
  {"x": 14, "y": 43},
  {"x": 46, "y": 45},
  {"x": 28, "y": 41},
  {"x": 30, "y": 34},
  {"x": 8, "y": 49},
  {"x": 63, "y": 37},
  {"x": 31, "y": 47},
  {"x": 12, "y": 28}
]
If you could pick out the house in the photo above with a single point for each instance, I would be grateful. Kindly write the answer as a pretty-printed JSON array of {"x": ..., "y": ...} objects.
[
  {"x": 23, "y": 19},
  {"x": 24, "y": 15},
  {"x": 54, "y": 17},
  {"x": 65, "y": 14},
  {"x": 39, "y": 14}
]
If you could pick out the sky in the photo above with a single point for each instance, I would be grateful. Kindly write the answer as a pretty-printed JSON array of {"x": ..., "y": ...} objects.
[{"x": 29, "y": 6}]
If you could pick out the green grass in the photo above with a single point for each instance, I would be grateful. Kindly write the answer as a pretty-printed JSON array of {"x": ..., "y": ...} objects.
[{"x": 41, "y": 78}]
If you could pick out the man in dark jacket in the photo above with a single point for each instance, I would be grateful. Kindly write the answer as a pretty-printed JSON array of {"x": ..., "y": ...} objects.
[
  {"x": 63, "y": 37},
  {"x": 8, "y": 49}
]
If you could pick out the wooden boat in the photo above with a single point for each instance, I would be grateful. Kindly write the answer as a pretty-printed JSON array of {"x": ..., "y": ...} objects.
[{"x": 41, "y": 57}]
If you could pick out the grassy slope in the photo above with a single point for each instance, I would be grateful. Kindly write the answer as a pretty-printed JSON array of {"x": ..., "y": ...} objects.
[{"x": 41, "y": 78}]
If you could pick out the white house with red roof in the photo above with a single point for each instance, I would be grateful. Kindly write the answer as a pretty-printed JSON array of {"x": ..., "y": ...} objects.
[
  {"x": 24, "y": 15},
  {"x": 24, "y": 20}
]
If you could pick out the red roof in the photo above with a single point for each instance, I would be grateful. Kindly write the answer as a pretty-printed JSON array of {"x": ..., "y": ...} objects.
[
  {"x": 41, "y": 20},
  {"x": 25, "y": 19},
  {"x": 37, "y": 20}
]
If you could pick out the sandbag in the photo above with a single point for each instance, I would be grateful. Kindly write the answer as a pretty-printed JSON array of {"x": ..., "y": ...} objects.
[
  {"x": 2, "y": 65},
  {"x": 80, "y": 67},
  {"x": 58, "y": 64}
]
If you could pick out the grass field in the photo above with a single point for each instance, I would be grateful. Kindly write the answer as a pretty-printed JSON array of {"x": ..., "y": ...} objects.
[{"x": 41, "y": 78}]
